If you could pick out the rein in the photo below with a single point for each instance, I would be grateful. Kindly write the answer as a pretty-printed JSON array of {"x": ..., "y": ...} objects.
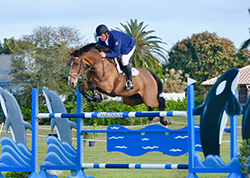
[
  {"x": 89, "y": 69},
  {"x": 92, "y": 70}
]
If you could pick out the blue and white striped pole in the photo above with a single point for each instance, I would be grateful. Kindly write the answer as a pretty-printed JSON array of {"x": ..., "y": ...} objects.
[
  {"x": 114, "y": 114},
  {"x": 134, "y": 166}
]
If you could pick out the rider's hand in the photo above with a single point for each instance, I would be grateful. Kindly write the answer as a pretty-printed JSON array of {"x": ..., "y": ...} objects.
[{"x": 102, "y": 54}]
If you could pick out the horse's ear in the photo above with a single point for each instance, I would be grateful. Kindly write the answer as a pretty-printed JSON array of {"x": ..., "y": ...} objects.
[{"x": 70, "y": 52}]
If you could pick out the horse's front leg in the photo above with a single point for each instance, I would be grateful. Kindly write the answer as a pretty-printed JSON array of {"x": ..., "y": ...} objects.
[
  {"x": 90, "y": 86},
  {"x": 85, "y": 94},
  {"x": 96, "y": 96}
]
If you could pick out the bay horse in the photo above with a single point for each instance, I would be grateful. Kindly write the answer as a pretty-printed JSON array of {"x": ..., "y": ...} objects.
[{"x": 102, "y": 75}]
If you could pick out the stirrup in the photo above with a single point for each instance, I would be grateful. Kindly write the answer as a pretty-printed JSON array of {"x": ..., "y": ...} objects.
[{"x": 129, "y": 85}]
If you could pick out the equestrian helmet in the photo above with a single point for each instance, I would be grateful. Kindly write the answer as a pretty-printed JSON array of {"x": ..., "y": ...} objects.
[{"x": 101, "y": 29}]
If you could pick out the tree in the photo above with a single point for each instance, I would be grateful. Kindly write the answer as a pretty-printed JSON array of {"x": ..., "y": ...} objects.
[
  {"x": 246, "y": 43},
  {"x": 40, "y": 59},
  {"x": 204, "y": 56},
  {"x": 174, "y": 81},
  {"x": 6, "y": 47},
  {"x": 1, "y": 48},
  {"x": 148, "y": 48}
]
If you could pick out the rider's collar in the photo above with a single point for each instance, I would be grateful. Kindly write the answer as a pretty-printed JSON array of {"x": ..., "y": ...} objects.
[{"x": 106, "y": 41}]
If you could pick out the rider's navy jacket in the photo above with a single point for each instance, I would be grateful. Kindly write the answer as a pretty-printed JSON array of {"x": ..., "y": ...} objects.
[{"x": 119, "y": 42}]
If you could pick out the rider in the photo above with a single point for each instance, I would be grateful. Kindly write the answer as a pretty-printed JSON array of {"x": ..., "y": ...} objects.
[{"x": 120, "y": 43}]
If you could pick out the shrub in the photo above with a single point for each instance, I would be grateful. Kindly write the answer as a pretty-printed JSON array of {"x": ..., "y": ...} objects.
[
  {"x": 179, "y": 105},
  {"x": 244, "y": 157},
  {"x": 17, "y": 174},
  {"x": 114, "y": 106}
]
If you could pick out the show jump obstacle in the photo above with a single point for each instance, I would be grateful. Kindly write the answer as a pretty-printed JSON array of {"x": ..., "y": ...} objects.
[
  {"x": 63, "y": 156},
  {"x": 152, "y": 139}
]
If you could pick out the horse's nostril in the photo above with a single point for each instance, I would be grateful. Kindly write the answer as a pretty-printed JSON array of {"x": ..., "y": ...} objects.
[{"x": 72, "y": 85}]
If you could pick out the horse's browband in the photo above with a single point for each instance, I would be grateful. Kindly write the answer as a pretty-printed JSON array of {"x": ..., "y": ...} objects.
[{"x": 74, "y": 58}]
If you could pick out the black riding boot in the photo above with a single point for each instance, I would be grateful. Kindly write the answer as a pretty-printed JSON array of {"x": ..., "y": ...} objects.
[{"x": 127, "y": 70}]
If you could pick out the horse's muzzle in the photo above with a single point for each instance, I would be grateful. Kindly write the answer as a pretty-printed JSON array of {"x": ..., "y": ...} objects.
[{"x": 71, "y": 82}]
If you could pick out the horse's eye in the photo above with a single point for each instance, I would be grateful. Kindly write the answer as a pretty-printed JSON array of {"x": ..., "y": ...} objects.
[{"x": 77, "y": 64}]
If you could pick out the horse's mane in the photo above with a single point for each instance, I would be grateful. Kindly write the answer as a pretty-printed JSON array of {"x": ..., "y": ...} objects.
[{"x": 90, "y": 46}]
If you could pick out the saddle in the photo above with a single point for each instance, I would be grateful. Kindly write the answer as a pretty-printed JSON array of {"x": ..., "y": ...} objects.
[{"x": 117, "y": 61}]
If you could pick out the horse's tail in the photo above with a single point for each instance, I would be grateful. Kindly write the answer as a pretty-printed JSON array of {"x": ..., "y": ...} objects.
[{"x": 161, "y": 99}]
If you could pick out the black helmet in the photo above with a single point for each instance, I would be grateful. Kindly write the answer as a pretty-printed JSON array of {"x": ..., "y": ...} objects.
[{"x": 101, "y": 29}]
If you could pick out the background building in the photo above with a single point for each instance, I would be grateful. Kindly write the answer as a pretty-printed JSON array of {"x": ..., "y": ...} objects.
[
  {"x": 5, "y": 79},
  {"x": 244, "y": 84}
]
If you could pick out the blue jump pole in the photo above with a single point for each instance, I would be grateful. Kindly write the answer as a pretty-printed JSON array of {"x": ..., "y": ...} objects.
[
  {"x": 233, "y": 133},
  {"x": 191, "y": 132},
  {"x": 34, "y": 166},
  {"x": 79, "y": 108}
]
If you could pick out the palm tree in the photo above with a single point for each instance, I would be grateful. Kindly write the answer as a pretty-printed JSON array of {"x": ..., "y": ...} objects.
[
  {"x": 247, "y": 42},
  {"x": 148, "y": 49}
]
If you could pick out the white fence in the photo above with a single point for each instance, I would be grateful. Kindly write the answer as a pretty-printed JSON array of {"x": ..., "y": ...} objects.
[
  {"x": 173, "y": 96},
  {"x": 167, "y": 96}
]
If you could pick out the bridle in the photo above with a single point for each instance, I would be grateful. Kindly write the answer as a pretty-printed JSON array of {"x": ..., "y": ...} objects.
[
  {"x": 91, "y": 70},
  {"x": 79, "y": 76},
  {"x": 71, "y": 65}
]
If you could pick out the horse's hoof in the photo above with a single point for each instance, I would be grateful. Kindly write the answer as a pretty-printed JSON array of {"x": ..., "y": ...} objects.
[
  {"x": 98, "y": 98},
  {"x": 154, "y": 119},
  {"x": 165, "y": 122}
]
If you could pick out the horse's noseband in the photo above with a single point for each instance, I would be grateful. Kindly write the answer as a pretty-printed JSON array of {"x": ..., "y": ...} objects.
[{"x": 78, "y": 74}]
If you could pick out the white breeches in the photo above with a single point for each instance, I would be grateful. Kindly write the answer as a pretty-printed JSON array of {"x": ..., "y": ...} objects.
[{"x": 126, "y": 57}]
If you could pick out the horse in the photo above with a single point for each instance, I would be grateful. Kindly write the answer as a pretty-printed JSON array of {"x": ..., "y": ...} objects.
[{"x": 102, "y": 75}]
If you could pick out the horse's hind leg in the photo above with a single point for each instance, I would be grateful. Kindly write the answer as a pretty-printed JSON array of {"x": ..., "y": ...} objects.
[
  {"x": 150, "y": 118},
  {"x": 162, "y": 107},
  {"x": 155, "y": 119}
]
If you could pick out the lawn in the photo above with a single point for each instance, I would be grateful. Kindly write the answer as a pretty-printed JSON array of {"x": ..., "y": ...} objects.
[{"x": 98, "y": 154}]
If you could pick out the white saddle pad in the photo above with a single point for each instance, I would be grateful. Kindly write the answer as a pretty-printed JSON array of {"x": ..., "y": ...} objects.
[{"x": 135, "y": 72}]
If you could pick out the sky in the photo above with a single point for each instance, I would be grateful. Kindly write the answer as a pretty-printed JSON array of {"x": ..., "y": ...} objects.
[{"x": 172, "y": 20}]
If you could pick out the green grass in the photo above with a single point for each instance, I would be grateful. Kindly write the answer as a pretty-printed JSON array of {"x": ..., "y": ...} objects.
[{"x": 98, "y": 154}]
